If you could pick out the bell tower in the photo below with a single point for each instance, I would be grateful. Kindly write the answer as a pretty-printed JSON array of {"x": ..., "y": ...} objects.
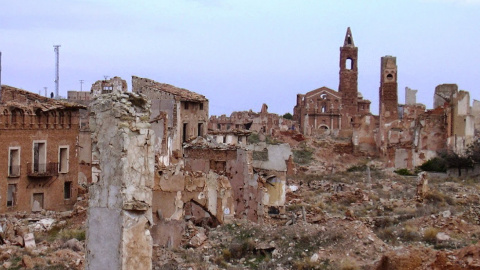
[
  {"x": 388, "y": 90},
  {"x": 348, "y": 79}
]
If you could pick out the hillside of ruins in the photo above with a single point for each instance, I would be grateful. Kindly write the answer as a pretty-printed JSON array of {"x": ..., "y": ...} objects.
[{"x": 146, "y": 178}]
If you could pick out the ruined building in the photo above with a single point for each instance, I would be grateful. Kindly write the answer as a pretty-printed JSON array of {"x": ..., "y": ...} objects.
[
  {"x": 39, "y": 146},
  {"x": 178, "y": 116},
  {"x": 326, "y": 111},
  {"x": 406, "y": 135},
  {"x": 89, "y": 168},
  {"x": 197, "y": 176},
  {"x": 262, "y": 122}
]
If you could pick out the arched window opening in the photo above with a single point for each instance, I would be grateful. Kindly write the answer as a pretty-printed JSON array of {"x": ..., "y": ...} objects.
[
  {"x": 61, "y": 117},
  {"x": 349, "y": 64},
  {"x": 13, "y": 117},
  {"x": 389, "y": 77},
  {"x": 349, "y": 40},
  {"x": 324, "y": 108}
]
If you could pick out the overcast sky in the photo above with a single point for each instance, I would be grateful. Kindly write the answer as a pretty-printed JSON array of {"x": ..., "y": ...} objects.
[{"x": 241, "y": 53}]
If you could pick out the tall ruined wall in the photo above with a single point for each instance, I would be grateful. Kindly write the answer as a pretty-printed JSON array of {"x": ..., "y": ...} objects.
[
  {"x": 444, "y": 93},
  {"x": 410, "y": 96},
  {"x": 476, "y": 114},
  {"x": 365, "y": 134},
  {"x": 115, "y": 84},
  {"x": 119, "y": 212},
  {"x": 388, "y": 95}
]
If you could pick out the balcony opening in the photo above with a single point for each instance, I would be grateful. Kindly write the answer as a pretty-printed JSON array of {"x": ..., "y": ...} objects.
[{"x": 39, "y": 157}]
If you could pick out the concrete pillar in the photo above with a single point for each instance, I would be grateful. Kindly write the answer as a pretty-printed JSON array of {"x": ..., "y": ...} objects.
[{"x": 119, "y": 212}]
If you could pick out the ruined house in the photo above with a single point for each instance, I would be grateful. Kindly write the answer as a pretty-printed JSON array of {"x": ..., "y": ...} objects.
[
  {"x": 39, "y": 147},
  {"x": 88, "y": 168},
  {"x": 406, "y": 135},
  {"x": 476, "y": 113},
  {"x": 178, "y": 116},
  {"x": 326, "y": 111},
  {"x": 262, "y": 122}
]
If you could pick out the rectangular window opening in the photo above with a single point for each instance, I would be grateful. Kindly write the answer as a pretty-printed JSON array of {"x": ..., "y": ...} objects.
[
  {"x": 12, "y": 195},
  {"x": 63, "y": 160},
  {"x": 185, "y": 126},
  {"x": 67, "y": 190},
  {"x": 200, "y": 129},
  {"x": 39, "y": 157},
  {"x": 14, "y": 162}
]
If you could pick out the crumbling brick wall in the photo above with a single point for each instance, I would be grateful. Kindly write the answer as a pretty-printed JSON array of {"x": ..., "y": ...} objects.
[{"x": 25, "y": 119}]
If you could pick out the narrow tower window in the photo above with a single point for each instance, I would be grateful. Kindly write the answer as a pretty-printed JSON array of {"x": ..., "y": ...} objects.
[{"x": 349, "y": 64}]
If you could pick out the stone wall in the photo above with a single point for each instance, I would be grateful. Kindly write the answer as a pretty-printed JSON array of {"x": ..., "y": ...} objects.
[{"x": 120, "y": 199}]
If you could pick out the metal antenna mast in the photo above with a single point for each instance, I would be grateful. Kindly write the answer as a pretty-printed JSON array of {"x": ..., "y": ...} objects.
[
  {"x": 57, "y": 69},
  {"x": 81, "y": 84},
  {"x": 45, "y": 91}
]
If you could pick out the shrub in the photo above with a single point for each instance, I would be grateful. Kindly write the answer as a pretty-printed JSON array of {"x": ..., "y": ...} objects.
[
  {"x": 303, "y": 156},
  {"x": 357, "y": 168},
  {"x": 348, "y": 264},
  {"x": 409, "y": 233},
  {"x": 288, "y": 116},
  {"x": 67, "y": 234},
  {"x": 387, "y": 234},
  {"x": 434, "y": 165},
  {"x": 253, "y": 138},
  {"x": 430, "y": 235},
  {"x": 405, "y": 172},
  {"x": 436, "y": 197}
]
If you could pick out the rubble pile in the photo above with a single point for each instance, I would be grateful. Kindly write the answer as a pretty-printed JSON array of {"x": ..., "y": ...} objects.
[{"x": 43, "y": 240}]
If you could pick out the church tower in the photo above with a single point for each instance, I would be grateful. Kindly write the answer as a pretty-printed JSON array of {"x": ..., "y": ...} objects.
[
  {"x": 388, "y": 90},
  {"x": 348, "y": 79}
]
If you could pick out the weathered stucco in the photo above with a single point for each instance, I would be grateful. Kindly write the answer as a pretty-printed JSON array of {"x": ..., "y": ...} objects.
[{"x": 120, "y": 199}]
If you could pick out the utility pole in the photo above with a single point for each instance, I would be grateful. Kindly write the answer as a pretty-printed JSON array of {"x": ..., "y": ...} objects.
[
  {"x": 81, "y": 84},
  {"x": 57, "y": 69}
]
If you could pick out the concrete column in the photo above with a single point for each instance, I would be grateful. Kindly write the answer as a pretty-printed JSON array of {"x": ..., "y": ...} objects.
[{"x": 119, "y": 212}]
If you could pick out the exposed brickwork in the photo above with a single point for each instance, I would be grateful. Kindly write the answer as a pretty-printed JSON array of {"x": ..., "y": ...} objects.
[
  {"x": 326, "y": 111},
  {"x": 262, "y": 122},
  {"x": 25, "y": 119}
]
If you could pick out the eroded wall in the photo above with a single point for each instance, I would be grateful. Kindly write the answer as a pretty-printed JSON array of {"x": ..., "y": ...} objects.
[{"x": 120, "y": 198}]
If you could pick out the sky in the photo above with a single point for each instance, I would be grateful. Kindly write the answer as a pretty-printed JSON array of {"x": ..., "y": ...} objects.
[{"x": 241, "y": 53}]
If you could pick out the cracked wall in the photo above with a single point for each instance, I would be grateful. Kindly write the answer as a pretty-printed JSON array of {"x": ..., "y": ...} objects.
[{"x": 119, "y": 212}]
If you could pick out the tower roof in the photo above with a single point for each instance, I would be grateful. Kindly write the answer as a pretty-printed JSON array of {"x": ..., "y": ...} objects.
[{"x": 348, "y": 39}]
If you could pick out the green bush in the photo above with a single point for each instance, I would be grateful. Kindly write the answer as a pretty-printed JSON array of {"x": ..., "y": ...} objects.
[
  {"x": 405, "y": 172},
  {"x": 288, "y": 116},
  {"x": 434, "y": 165},
  {"x": 303, "y": 156},
  {"x": 253, "y": 138}
]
